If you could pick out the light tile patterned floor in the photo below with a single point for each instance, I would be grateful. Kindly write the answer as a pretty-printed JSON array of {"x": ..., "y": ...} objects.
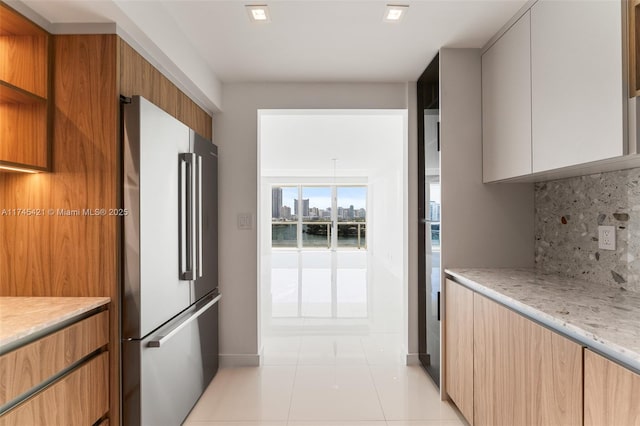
[{"x": 325, "y": 381}]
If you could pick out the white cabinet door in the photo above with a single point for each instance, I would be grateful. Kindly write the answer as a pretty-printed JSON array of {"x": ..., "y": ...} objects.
[
  {"x": 577, "y": 91},
  {"x": 506, "y": 104}
]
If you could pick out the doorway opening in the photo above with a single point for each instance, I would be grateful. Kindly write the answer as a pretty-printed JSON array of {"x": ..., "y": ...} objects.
[{"x": 332, "y": 227}]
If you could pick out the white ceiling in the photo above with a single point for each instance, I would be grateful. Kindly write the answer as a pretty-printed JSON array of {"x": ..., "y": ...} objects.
[
  {"x": 307, "y": 40},
  {"x": 323, "y": 41}
]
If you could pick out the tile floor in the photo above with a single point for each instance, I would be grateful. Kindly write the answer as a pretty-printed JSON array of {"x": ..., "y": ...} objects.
[{"x": 325, "y": 381}]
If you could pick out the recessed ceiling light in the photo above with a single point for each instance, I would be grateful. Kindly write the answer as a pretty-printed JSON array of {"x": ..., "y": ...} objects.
[
  {"x": 258, "y": 13},
  {"x": 395, "y": 12}
]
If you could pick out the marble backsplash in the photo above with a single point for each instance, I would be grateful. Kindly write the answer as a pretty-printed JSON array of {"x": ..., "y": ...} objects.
[{"x": 567, "y": 215}]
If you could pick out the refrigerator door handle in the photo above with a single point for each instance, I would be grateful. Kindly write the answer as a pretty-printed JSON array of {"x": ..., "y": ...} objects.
[
  {"x": 187, "y": 214},
  {"x": 199, "y": 231},
  {"x": 160, "y": 340}
]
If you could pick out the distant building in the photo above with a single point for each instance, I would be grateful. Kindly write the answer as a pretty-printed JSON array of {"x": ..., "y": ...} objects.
[
  {"x": 352, "y": 213},
  {"x": 285, "y": 212},
  {"x": 305, "y": 207},
  {"x": 361, "y": 213},
  {"x": 314, "y": 212},
  {"x": 276, "y": 202}
]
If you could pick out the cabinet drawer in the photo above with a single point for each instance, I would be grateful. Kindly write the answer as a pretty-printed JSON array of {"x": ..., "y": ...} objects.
[
  {"x": 79, "y": 398},
  {"x": 32, "y": 364}
]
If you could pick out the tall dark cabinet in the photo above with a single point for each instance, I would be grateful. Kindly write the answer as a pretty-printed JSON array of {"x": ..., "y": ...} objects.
[{"x": 429, "y": 275}]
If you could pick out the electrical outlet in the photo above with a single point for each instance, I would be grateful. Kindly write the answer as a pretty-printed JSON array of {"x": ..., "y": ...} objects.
[{"x": 607, "y": 237}]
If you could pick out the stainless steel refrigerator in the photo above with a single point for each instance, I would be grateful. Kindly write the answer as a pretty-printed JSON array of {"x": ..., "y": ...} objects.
[{"x": 170, "y": 266}]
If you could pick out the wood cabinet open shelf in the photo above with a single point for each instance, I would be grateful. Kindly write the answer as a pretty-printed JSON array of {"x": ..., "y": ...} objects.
[
  {"x": 10, "y": 94},
  {"x": 24, "y": 92}
]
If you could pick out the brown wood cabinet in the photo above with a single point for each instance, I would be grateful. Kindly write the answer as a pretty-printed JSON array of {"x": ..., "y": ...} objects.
[
  {"x": 611, "y": 393},
  {"x": 32, "y": 364},
  {"x": 24, "y": 92},
  {"x": 139, "y": 77},
  {"x": 78, "y": 399},
  {"x": 72, "y": 394},
  {"x": 459, "y": 345}
]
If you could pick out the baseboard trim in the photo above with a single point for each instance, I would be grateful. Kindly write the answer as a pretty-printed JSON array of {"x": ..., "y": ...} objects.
[
  {"x": 239, "y": 360},
  {"x": 413, "y": 359}
]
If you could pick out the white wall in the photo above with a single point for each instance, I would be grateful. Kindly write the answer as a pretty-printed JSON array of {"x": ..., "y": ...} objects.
[
  {"x": 484, "y": 225},
  {"x": 305, "y": 142},
  {"x": 236, "y": 135}
]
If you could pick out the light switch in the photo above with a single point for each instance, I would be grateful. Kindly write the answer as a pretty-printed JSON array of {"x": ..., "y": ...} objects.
[{"x": 245, "y": 221}]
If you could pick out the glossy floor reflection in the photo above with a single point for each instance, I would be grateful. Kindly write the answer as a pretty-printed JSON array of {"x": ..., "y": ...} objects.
[
  {"x": 325, "y": 381},
  {"x": 324, "y": 292}
]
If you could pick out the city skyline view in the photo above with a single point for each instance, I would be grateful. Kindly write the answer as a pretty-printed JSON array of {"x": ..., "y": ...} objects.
[{"x": 316, "y": 202}]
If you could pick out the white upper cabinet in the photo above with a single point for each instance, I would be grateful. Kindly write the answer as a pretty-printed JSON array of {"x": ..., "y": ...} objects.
[
  {"x": 577, "y": 82},
  {"x": 506, "y": 104},
  {"x": 553, "y": 92}
]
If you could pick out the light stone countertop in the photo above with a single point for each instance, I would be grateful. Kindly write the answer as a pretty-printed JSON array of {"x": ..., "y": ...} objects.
[
  {"x": 23, "y": 319},
  {"x": 602, "y": 317}
]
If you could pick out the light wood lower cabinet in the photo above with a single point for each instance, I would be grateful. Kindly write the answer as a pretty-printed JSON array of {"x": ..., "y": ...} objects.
[
  {"x": 459, "y": 344},
  {"x": 504, "y": 369},
  {"x": 499, "y": 377},
  {"x": 559, "y": 397},
  {"x": 523, "y": 373},
  {"x": 611, "y": 393}
]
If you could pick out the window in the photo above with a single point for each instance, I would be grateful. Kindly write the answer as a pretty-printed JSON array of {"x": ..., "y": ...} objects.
[
  {"x": 316, "y": 216},
  {"x": 352, "y": 216},
  {"x": 284, "y": 229},
  {"x": 329, "y": 216}
]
